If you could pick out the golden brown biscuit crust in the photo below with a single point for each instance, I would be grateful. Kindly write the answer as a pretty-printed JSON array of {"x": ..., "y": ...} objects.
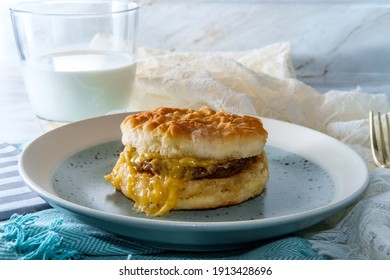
[
  {"x": 203, "y": 133},
  {"x": 193, "y": 124}
]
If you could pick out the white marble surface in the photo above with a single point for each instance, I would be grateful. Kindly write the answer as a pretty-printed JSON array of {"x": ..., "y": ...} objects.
[{"x": 336, "y": 44}]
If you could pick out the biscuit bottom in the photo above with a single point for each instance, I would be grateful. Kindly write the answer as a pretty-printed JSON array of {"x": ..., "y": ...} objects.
[
  {"x": 157, "y": 196},
  {"x": 214, "y": 193}
]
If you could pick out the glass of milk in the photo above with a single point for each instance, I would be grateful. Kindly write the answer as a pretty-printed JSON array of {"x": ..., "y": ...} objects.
[{"x": 78, "y": 57}]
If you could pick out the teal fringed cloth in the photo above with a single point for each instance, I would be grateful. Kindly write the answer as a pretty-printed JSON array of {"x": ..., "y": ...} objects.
[{"x": 50, "y": 234}]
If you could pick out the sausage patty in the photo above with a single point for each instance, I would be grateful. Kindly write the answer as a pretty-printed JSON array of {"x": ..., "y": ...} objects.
[{"x": 219, "y": 170}]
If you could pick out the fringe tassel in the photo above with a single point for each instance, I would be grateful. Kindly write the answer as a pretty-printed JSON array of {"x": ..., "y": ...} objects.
[{"x": 23, "y": 242}]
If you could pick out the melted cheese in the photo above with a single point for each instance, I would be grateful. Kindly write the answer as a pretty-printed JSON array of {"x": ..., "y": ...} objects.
[{"x": 154, "y": 194}]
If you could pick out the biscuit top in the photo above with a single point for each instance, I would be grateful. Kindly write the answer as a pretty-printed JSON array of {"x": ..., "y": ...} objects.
[{"x": 204, "y": 133}]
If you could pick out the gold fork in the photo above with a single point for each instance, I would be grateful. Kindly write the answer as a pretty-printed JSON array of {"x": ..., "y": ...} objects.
[{"x": 379, "y": 149}]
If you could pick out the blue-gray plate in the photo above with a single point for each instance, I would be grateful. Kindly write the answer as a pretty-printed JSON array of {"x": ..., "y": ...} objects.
[{"x": 312, "y": 176}]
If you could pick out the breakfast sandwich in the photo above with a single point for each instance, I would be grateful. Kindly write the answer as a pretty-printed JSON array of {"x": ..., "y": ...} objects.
[{"x": 178, "y": 158}]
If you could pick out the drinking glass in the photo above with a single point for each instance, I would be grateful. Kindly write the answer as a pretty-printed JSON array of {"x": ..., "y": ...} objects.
[{"x": 78, "y": 58}]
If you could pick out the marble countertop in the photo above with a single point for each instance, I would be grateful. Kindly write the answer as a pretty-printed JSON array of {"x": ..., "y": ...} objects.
[{"x": 335, "y": 44}]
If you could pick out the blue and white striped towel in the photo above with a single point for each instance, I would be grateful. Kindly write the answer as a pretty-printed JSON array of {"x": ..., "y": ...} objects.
[
  {"x": 15, "y": 195},
  {"x": 51, "y": 234}
]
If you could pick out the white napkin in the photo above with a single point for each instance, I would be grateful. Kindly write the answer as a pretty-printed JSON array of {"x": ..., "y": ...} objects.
[
  {"x": 262, "y": 82},
  {"x": 259, "y": 82}
]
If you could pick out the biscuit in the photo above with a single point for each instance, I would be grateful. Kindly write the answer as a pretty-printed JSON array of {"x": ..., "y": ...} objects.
[
  {"x": 204, "y": 133},
  {"x": 185, "y": 159}
]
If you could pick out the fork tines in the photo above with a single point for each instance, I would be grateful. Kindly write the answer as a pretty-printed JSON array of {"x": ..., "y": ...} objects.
[{"x": 380, "y": 147}]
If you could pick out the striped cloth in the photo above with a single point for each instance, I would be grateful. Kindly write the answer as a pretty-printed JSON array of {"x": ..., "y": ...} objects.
[
  {"x": 15, "y": 195},
  {"x": 51, "y": 234}
]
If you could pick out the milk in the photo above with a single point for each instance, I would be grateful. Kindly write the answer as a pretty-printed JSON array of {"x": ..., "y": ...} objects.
[{"x": 71, "y": 86}]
